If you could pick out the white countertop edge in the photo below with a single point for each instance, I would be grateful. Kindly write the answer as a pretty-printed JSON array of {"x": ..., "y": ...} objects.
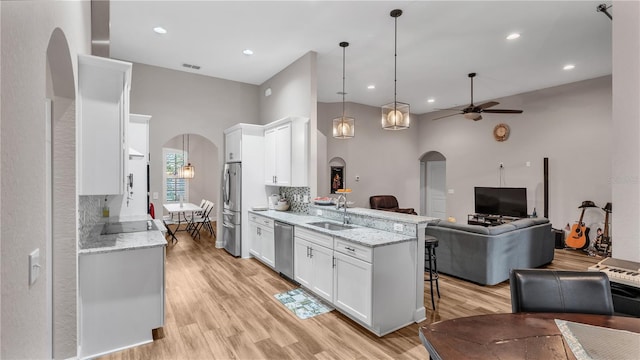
[
  {"x": 374, "y": 237},
  {"x": 124, "y": 241}
]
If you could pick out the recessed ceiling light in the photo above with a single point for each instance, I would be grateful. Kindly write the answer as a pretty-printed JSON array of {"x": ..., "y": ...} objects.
[
  {"x": 431, "y": 100},
  {"x": 160, "y": 30},
  {"x": 568, "y": 67},
  {"x": 371, "y": 87},
  {"x": 513, "y": 36},
  {"x": 247, "y": 52}
]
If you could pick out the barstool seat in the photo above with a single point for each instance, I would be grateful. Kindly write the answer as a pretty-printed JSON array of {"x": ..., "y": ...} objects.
[{"x": 430, "y": 244}]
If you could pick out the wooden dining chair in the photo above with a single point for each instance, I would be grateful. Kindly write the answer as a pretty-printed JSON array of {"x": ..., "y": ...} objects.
[{"x": 544, "y": 290}]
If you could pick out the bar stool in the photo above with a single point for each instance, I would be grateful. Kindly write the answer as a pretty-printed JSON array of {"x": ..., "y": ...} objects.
[{"x": 430, "y": 244}]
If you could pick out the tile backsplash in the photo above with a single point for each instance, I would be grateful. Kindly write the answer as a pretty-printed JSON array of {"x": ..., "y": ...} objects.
[{"x": 296, "y": 196}]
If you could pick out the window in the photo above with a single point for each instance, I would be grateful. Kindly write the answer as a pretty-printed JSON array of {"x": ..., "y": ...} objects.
[{"x": 173, "y": 185}]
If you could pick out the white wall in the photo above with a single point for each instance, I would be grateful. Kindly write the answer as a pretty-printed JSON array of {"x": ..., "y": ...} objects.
[
  {"x": 26, "y": 28},
  {"x": 294, "y": 93},
  {"x": 185, "y": 103},
  {"x": 569, "y": 124},
  {"x": 625, "y": 134},
  {"x": 386, "y": 161}
]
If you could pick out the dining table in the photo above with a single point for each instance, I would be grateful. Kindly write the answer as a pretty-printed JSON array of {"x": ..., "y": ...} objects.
[
  {"x": 178, "y": 216},
  {"x": 533, "y": 336}
]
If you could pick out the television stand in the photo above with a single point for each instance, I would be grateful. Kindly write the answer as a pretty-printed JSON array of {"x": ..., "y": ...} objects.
[{"x": 489, "y": 220}]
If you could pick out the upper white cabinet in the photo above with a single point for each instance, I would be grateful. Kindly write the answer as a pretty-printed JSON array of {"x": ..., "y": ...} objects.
[
  {"x": 103, "y": 151},
  {"x": 233, "y": 146},
  {"x": 286, "y": 152}
]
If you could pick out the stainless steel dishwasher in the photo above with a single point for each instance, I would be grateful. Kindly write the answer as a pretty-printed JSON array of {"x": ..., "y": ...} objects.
[{"x": 284, "y": 249}]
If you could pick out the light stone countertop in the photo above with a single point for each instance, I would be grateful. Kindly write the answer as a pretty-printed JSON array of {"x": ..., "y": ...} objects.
[
  {"x": 358, "y": 234},
  {"x": 97, "y": 243}
]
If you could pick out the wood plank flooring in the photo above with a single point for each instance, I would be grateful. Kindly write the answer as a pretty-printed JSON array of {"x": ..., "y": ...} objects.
[{"x": 221, "y": 307}]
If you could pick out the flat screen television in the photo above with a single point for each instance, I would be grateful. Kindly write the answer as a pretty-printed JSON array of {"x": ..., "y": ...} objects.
[{"x": 503, "y": 201}]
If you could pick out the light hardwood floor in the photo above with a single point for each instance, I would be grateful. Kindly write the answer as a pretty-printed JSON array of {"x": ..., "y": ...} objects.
[{"x": 221, "y": 307}]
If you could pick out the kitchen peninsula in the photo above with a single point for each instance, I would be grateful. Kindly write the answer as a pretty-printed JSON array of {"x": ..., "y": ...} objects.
[
  {"x": 121, "y": 284},
  {"x": 371, "y": 270}
]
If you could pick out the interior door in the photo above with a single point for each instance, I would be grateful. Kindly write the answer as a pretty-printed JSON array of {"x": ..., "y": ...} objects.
[{"x": 436, "y": 189}]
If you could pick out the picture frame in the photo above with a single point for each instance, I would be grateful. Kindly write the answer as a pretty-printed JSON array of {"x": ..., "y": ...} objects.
[{"x": 337, "y": 178}]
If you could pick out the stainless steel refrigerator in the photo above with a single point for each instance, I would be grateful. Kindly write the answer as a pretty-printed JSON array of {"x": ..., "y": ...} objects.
[{"x": 232, "y": 208}]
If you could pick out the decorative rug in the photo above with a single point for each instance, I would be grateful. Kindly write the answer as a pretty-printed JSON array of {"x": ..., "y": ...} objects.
[{"x": 303, "y": 304}]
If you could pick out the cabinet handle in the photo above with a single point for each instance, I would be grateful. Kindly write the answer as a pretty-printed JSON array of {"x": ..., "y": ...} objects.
[
  {"x": 311, "y": 252},
  {"x": 334, "y": 262},
  {"x": 259, "y": 231},
  {"x": 307, "y": 251},
  {"x": 349, "y": 248}
]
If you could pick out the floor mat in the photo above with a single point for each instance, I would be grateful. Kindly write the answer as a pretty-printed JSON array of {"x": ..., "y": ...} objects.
[{"x": 303, "y": 304}]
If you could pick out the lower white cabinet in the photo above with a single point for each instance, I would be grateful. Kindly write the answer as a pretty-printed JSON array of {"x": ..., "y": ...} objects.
[
  {"x": 121, "y": 299},
  {"x": 353, "y": 280},
  {"x": 262, "y": 239},
  {"x": 375, "y": 286},
  {"x": 313, "y": 267}
]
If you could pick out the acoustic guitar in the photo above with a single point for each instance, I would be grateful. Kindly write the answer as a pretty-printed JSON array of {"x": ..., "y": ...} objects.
[{"x": 579, "y": 236}]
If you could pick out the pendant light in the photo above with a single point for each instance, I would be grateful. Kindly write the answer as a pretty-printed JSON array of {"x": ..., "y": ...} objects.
[
  {"x": 187, "y": 171},
  {"x": 395, "y": 116},
  {"x": 343, "y": 127}
]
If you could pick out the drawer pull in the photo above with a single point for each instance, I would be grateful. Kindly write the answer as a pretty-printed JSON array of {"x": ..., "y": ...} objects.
[{"x": 349, "y": 248}]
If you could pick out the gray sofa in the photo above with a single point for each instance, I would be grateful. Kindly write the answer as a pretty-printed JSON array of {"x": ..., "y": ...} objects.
[{"x": 485, "y": 255}]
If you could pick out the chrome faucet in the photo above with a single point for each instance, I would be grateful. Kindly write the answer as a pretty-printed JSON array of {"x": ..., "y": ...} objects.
[{"x": 345, "y": 217}]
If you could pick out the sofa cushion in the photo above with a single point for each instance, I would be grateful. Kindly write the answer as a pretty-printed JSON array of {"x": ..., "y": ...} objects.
[
  {"x": 500, "y": 229},
  {"x": 523, "y": 223},
  {"x": 477, "y": 229}
]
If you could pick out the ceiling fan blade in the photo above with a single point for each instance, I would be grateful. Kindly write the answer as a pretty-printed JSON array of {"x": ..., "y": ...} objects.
[
  {"x": 502, "y": 111},
  {"x": 446, "y": 116},
  {"x": 488, "y": 104}
]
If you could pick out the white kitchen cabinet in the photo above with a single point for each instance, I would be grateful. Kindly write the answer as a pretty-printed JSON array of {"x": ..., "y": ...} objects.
[
  {"x": 353, "y": 282},
  {"x": 121, "y": 297},
  {"x": 313, "y": 262},
  {"x": 103, "y": 152},
  {"x": 262, "y": 239},
  {"x": 286, "y": 152},
  {"x": 233, "y": 146},
  {"x": 277, "y": 142}
]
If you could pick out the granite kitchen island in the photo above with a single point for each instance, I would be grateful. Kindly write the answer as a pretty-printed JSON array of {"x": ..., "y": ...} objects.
[{"x": 372, "y": 270}]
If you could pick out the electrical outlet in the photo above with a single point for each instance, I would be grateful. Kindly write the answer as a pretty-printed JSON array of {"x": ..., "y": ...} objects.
[
  {"x": 397, "y": 227},
  {"x": 319, "y": 212},
  {"x": 501, "y": 164}
]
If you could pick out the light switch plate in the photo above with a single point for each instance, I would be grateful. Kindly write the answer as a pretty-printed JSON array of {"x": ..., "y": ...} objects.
[
  {"x": 155, "y": 195},
  {"x": 34, "y": 266}
]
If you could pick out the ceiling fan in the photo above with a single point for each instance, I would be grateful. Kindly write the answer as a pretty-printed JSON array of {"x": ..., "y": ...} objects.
[{"x": 473, "y": 112}]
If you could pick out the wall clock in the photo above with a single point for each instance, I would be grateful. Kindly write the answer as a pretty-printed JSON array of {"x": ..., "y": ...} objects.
[{"x": 501, "y": 132}]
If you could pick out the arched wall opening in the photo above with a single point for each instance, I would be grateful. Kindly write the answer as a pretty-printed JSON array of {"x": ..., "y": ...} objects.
[
  {"x": 61, "y": 199},
  {"x": 433, "y": 183}
]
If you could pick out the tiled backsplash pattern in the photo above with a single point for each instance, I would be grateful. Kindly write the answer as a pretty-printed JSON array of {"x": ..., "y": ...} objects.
[
  {"x": 296, "y": 196},
  {"x": 90, "y": 214}
]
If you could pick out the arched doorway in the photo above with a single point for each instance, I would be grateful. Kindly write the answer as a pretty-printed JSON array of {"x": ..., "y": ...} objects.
[
  {"x": 433, "y": 183},
  {"x": 60, "y": 203}
]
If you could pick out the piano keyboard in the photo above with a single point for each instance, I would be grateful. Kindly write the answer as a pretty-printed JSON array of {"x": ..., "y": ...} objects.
[{"x": 620, "y": 271}]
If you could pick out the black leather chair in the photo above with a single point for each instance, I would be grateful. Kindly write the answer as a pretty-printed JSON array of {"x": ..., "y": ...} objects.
[
  {"x": 388, "y": 203},
  {"x": 540, "y": 290}
]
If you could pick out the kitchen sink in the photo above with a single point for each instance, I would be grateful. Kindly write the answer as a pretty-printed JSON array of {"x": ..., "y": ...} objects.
[{"x": 330, "y": 225}]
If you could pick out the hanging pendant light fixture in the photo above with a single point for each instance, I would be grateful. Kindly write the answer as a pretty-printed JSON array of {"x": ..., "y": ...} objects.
[
  {"x": 395, "y": 116},
  {"x": 187, "y": 171},
  {"x": 343, "y": 127}
]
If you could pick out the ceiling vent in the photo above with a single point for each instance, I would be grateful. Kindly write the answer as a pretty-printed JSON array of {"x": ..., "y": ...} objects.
[{"x": 190, "y": 66}]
